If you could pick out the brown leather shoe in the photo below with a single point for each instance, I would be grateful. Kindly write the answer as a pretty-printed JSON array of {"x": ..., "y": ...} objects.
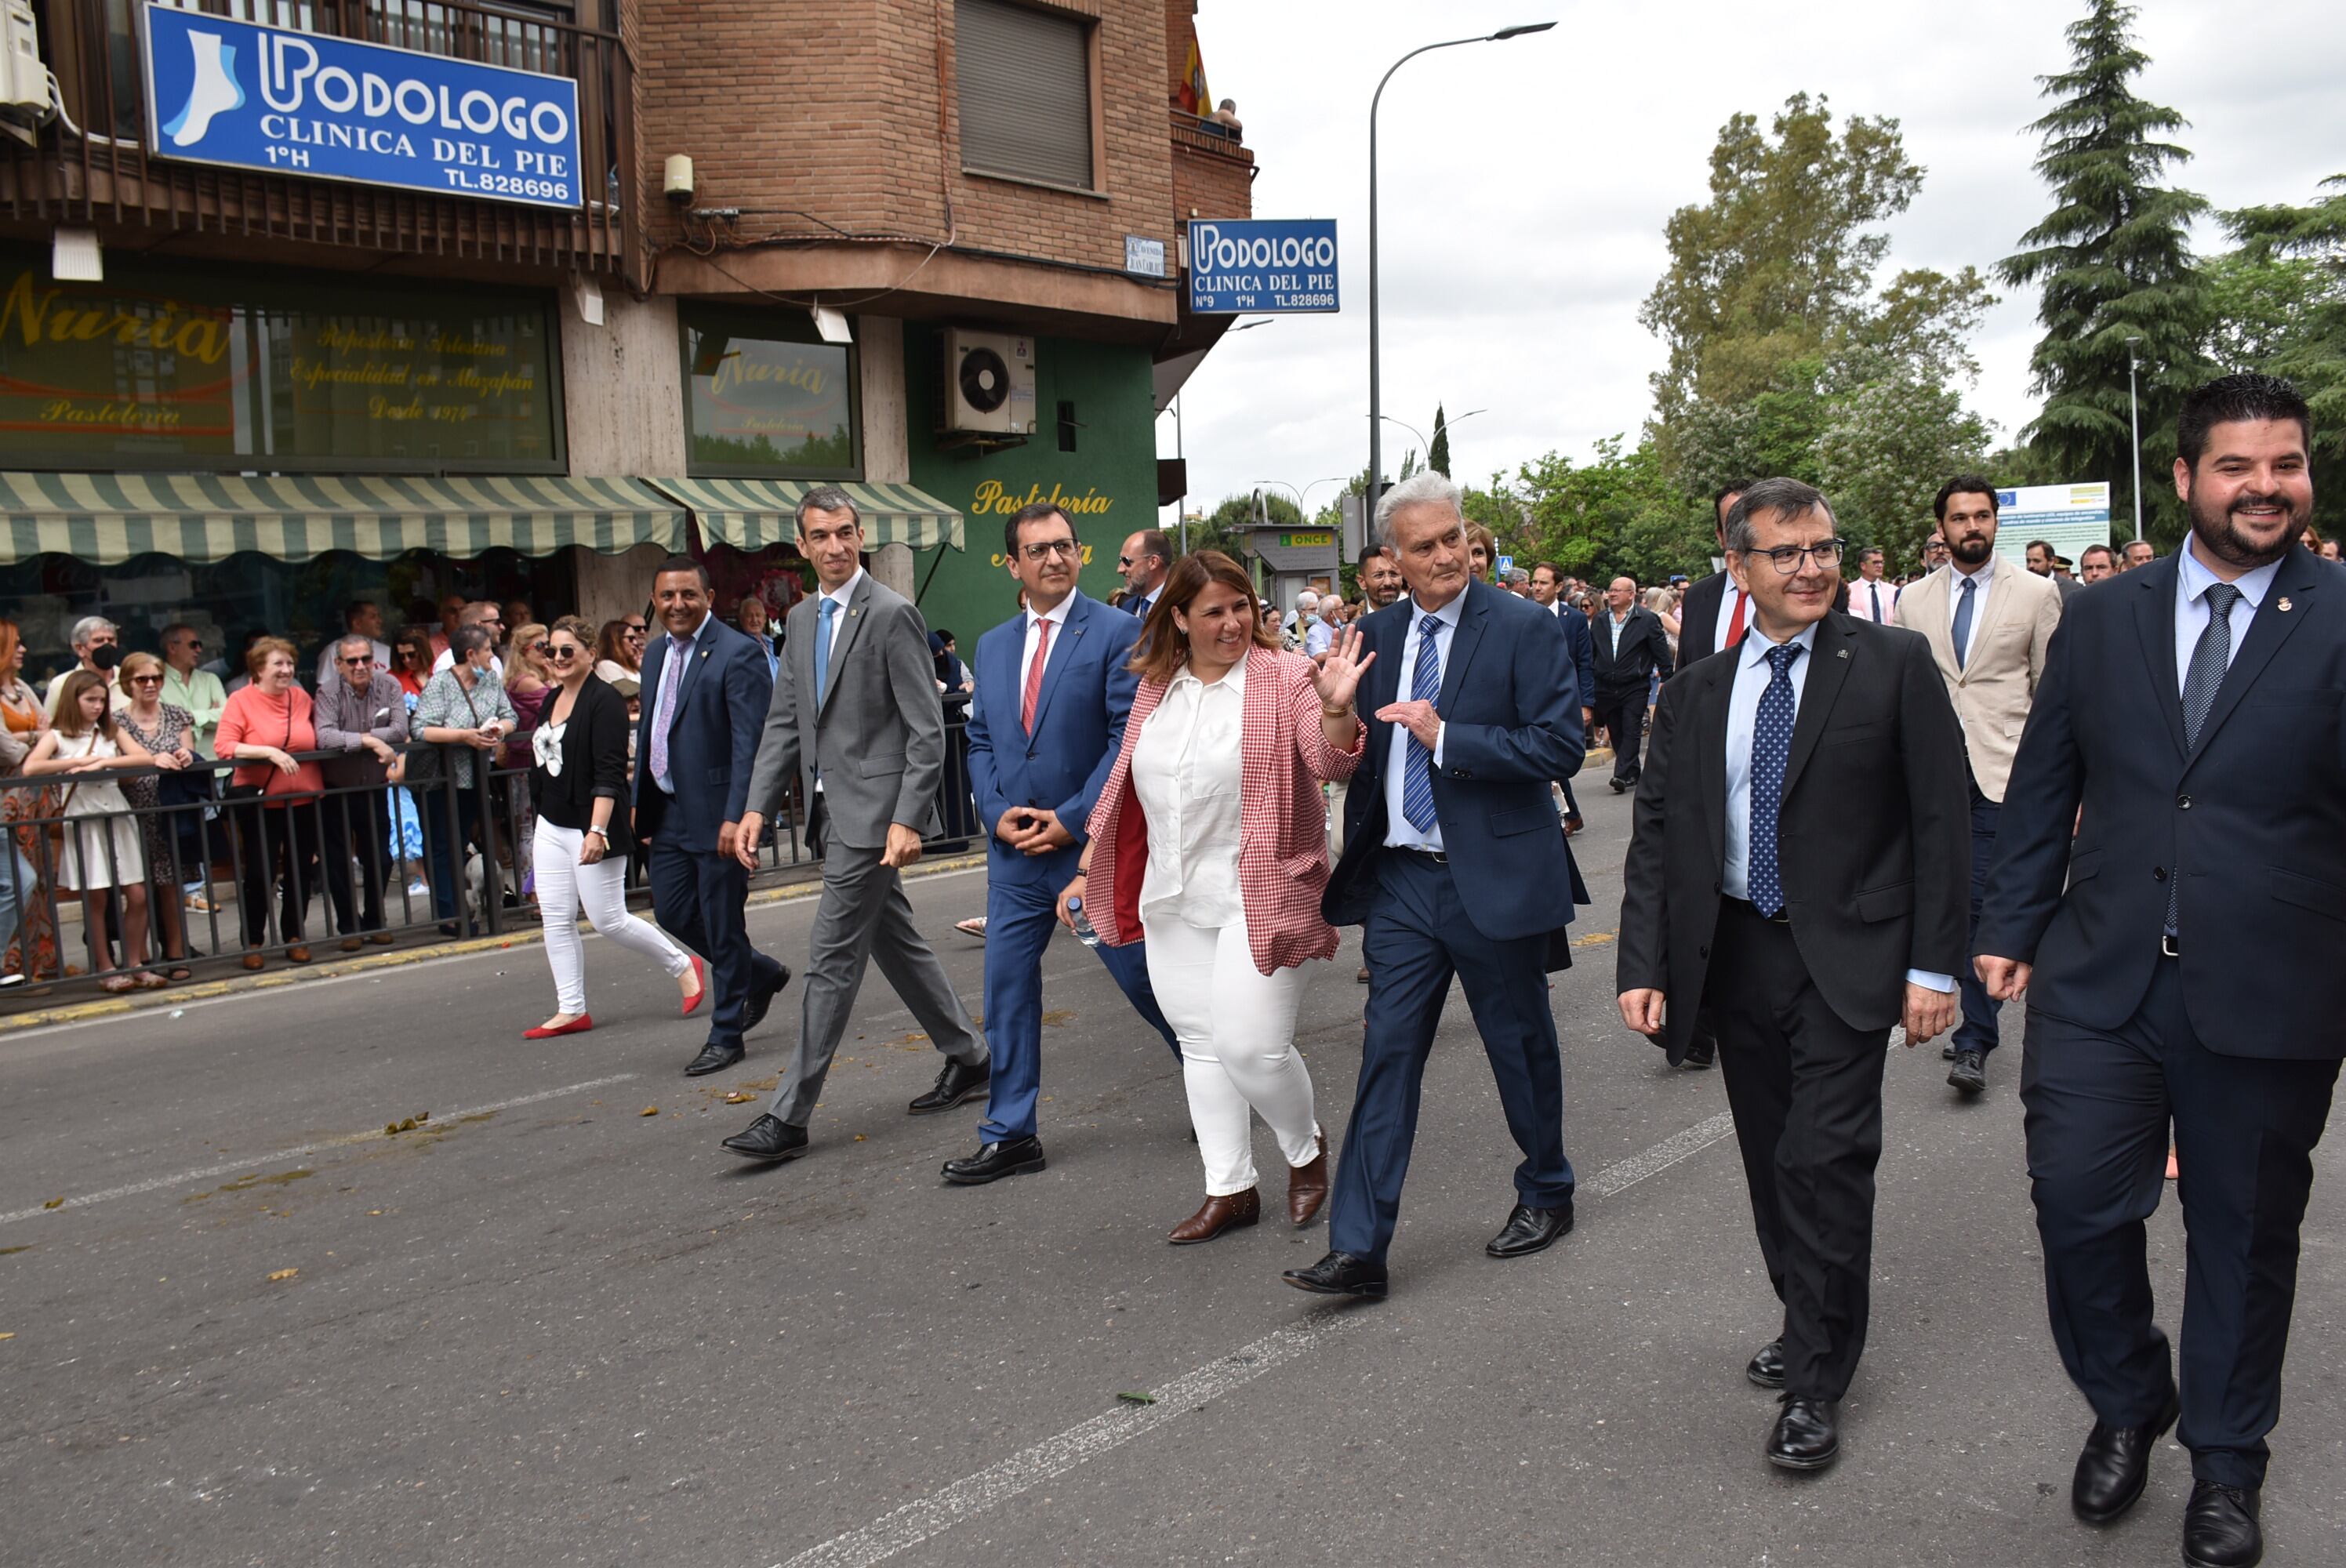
[
  {"x": 1307, "y": 1187},
  {"x": 297, "y": 953},
  {"x": 353, "y": 943},
  {"x": 382, "y": 938},
  {"x": 1218, "y": 1214},
  {"x": 253, "y": 961}
]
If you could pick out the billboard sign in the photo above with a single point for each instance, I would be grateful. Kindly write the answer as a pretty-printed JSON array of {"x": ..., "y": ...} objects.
[
  {"x": 1262, "y": 266},
  {"x": 242, "y": 96},
  {"x": 2066, "y": 516}
]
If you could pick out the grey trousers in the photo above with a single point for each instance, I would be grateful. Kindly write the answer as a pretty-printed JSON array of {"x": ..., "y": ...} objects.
[{"x": 865, "y": 918}]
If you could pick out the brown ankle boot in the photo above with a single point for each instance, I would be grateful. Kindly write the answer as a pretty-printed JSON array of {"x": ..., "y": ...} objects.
[
  {"x": 1218, "y": 1214},
  {"x": 1307, "y": 1187}
]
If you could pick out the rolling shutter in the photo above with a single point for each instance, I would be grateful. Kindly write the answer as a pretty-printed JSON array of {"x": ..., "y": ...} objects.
[{"x": 1026, "y": 92}]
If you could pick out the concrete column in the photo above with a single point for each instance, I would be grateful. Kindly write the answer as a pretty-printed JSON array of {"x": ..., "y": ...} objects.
[
  {"x": 623, "y": 401},
  {"x": 887, "y": 452}
]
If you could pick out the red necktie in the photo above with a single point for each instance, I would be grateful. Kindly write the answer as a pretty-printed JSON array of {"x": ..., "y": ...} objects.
[
  {"x": 1034, "y": 674},
  {"x": 1735, "y": 622}
]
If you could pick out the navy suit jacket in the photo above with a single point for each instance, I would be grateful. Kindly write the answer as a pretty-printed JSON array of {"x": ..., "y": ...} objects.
[
  {"x": 712, "y": 742},
  {"x": 1511, "y": 705},
  {"x": 1078, "y": 729},
  {"x": 2252, "y": 820},
  {"x": 1583, "y": 651}
]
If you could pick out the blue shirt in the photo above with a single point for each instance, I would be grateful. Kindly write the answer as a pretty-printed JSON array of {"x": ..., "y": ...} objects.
[
  {"x": 1751, "y": 677},
  {"x": 1400, "y": 832},
  {"x": 1317, "y": 637},
  {"x": 2192, "y": 582}
]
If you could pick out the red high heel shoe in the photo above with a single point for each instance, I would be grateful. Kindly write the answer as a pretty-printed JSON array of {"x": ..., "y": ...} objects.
[
  {"x": 700, "y": 972},
  {"x": 579, "y": 1025}
]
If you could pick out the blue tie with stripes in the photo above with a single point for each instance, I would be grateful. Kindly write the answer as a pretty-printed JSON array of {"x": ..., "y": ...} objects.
[{"x": 1417, "y": 765}]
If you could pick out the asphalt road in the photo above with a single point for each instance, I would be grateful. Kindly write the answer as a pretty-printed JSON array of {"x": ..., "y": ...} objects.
[{"x": 549, "y": 1327}]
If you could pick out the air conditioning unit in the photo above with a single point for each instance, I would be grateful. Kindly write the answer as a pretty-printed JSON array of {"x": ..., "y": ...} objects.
[
  {"x": 989, "y": 383},
  {"x": 23, "y": 80}
]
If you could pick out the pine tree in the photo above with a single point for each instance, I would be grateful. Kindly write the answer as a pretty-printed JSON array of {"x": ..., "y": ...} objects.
[
  {"x": 2114, "y": 262},
  {"x": 1438, "y": 454}
]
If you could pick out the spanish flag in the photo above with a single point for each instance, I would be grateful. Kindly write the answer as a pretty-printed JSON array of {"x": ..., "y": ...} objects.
[{"x": 1191, "y": 92}]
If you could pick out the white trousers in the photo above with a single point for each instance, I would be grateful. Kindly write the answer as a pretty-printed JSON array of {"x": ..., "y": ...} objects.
[
  {"x": 563, "y": 887},
  {"x": 1235, "y": 1026}
]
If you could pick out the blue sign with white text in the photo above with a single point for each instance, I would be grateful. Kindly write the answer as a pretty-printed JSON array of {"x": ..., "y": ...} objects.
[
  {"x": 232, "y": 93},
  {"x": 1269, "y": 265}
]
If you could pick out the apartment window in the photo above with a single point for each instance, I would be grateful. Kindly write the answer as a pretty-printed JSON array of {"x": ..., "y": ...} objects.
[{"x": 1025, "y": 82}]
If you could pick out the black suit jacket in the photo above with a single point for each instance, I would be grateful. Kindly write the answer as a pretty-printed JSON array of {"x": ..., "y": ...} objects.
[
  {"x": 1874, "y": 832},
  {"x": 1644, "y": 647},
  {"x": 593, "y": 763},
  {"x": 1699, "y": 617},
  {"x": 2253, "y": 820}
]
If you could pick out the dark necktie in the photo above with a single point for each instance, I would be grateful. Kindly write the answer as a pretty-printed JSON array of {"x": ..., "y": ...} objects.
[
  {"x": 1772, "y": 747},
  {"x": 1417, "y": 763},
  {"x": 1963, "y": 633},
  {"x": 2210, "y": 657},
  {"x": 1874, "y": 591}
]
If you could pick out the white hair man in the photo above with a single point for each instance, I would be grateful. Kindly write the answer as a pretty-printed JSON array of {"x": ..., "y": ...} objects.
[{"x": 89, "y": 635}]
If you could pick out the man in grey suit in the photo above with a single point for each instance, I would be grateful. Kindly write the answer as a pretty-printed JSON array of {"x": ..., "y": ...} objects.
[{"x": 856, "y": 717}]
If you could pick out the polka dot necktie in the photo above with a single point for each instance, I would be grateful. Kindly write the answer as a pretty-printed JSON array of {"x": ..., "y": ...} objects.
[{"x": 1772, "y": 745}]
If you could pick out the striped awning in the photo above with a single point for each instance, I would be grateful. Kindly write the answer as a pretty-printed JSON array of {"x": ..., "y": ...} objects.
[
  {"x": 111, "y": 517},
  {"x": 751, "y": 513}
]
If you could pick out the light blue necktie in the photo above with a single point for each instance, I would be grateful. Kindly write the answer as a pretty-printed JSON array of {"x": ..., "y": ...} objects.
[
  {"x": 1964, "y": 622},
  {"x": 822, "y": 646},
  {"x": 1417, "y": 764},
  {"x": 1772, "y": 745}
]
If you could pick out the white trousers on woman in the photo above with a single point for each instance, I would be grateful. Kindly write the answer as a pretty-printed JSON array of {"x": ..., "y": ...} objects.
[
  {"x": 1235, "y": 1026},
  {"x": 563, "y": 886}
]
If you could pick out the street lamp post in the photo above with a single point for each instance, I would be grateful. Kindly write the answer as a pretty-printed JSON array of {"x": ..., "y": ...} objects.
[
  {"x": 1451, "y": 424},
  {"x": 2134, "y": 411},
  {"x": 1376, "y": 394}
]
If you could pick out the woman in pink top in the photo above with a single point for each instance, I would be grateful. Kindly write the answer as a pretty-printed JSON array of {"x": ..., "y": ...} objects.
[
  {"x": 265, "y": 725},
  {"x": 1210, "y": 839}
]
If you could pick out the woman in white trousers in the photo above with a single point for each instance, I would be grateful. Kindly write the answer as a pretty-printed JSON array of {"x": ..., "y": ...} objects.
[
  {"x": 1210, "y": 843},
  {"x": 578, "y": 780}
]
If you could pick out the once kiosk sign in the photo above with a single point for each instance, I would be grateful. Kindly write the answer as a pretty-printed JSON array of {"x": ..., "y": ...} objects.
[
  {"x": 242, "y": 96},
  {"x": 1266, "y": 265}
]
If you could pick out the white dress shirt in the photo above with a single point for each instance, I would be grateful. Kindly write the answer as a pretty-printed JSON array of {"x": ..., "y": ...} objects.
[
  {"x": 1872, "y": 600},
  {"x": 1185, "y": 771},
  {"x": 1751, "y": 677},
  {"x": 838, "y": 596},
  {"x": 1057, "y": 616},
  {"x": 1400, "y": 832},
  {"x": 1984, "y": 576},
  {"x": 2192, "y": 581},
  {"x": 1727, "y": 602}
]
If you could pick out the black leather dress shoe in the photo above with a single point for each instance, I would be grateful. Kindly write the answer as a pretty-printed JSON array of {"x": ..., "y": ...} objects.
[
  {"x": 768, "y": 1138},
  {"x": 761, "y": 1001},
  {"x": 1619, "y": 784},
  {"x": 2219, "y": 1527},
  {"x": 2113, "y": 1464},
  {"x": 1700, "y": 1054},
  {"x": 1969, "y": 1073},
  {"x": 1766, "y": 1367},
  {"x": 715, "y": 1058},
  {"x": 994, "y": 1161},
  {"x": 1807, "y": 1434},
  {"x": 1339, "y": 1274},
  {"x": 953, "y": 1085},
  {"x": 1530, "y": 1231}
]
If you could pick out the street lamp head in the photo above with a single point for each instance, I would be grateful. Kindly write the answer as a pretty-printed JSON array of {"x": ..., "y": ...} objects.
[{"x": 1504, "y": 33}]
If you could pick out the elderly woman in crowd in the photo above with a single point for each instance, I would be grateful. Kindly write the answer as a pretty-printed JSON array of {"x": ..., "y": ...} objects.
[
  {"x": 362, "y": 713},
  {"x": 619, "y": 649},
  {"x": 28, "y": 937},
  {"x": 1214, "y": 800},
  {"x": 465, "y": 711},
  {"x": 102, "y": 856},
  {"x": 166, "y": 730},
  {"x": 279, "y": 831},
  {"x": 579, "y": 778}
]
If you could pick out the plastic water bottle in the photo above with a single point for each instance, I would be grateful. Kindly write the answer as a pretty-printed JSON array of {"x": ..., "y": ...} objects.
[{"x": 1084, "y": 932}]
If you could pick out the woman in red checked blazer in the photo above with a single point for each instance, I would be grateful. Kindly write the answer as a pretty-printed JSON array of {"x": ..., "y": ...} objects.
[{"x": 1210, "y": 840}]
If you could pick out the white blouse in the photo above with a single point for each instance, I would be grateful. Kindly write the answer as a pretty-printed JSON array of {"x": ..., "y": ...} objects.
[{"x": 1185, "y": 771}]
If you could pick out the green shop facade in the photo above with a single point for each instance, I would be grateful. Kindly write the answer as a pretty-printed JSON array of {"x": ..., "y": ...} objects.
[{"x": 248, "y": 448}]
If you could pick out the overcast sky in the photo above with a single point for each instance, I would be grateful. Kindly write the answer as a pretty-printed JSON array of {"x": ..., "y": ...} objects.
[{"x": 1524, "y": 185}]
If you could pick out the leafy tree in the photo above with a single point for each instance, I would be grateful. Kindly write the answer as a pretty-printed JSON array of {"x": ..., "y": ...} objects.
[
  {"x": 2114, "y": 262},
  {"x": 1889, "y": 443},
  {"x": 1229, "y": 527},
  {"x": 1437, "y": 456},
  {"x": 2283, "y": 300},
  {"x": 1617, "y": 514}
]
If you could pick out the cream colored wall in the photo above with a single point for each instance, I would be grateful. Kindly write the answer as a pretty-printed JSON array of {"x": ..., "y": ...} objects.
[
  {"x": 623, "y": 396},
  {"x": 887, "y": 456}
]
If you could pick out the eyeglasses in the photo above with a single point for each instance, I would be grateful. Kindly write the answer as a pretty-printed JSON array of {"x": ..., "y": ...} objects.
[
  {"x": 1786, "y": 557},
  {"x": 1041, "y": 548},
  {"x": 563, "y": 654},
  {"x": 358, "y": 658},
  {"x": 537, "y": 648},
  {"x": 146, "y": 680},
  {"x": 635, "y": 628}
]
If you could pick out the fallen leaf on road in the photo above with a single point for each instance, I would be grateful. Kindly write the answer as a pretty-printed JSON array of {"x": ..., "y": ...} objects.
[
  {"x": 649, "y": 1111},
  {"x": 1138, "y": 1398},
  {"x": 858, "y": 1137},
  {"x": 8, "y": 1335},
  {"x": 423, "y": 1115},
  {"x": 55, "y": 1203},
  {"x": 283, "y": 1274},
  {"x": 737, "y": 1098},
  {"x": 374, "y": 1211}
]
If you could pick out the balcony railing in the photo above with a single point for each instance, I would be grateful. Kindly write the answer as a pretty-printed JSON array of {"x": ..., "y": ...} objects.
[{"x": 100, "y": 171}]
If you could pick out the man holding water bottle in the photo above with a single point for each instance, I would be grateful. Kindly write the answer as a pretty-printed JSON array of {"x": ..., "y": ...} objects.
[{"x": 1053, "y": 690}]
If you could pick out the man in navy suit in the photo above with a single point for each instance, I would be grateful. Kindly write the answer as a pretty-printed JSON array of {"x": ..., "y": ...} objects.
[
  {"x": 2180, "y": 955},
  {"x": 1547, "y": 592},
  {"x": 706, "y": 688},
  {"x": 1475, "y": 711},
  {"x": 1051, "y": 695}
]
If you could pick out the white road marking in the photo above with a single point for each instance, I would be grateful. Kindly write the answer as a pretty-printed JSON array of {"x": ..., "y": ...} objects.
[
  {"x": 939, "y": 1511},
  {"x": 259, "y": 1162}
]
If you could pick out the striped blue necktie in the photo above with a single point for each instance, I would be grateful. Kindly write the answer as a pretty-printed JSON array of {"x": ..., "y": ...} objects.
[{"x": 1417, "y": 765}]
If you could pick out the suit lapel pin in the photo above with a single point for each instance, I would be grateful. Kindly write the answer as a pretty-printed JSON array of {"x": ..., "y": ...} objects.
[
  {"x": 1840, "y": 652},
  {"x": 2283, "y": 606}
]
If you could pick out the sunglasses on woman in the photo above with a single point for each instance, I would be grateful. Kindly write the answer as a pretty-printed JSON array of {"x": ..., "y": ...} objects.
[{"x": 561, "y": 652}]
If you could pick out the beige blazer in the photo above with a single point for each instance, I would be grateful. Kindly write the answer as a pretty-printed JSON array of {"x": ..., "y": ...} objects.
[{"x": 1992, "y": 693}]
